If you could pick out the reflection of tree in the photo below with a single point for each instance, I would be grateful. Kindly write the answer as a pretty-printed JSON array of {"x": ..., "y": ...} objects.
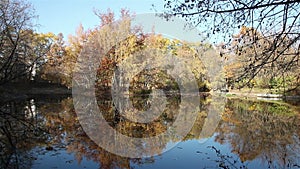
[
  {"x": 64, "y": 126},
  {"x": 125, "y": 126},
  {"x": 257, "y": 130},
  {"x": 20, "y": 131},
  {"x": 140, "y": 99},
  {"x": 226, "y": 161},
  {"x": 132, "y": 129},
  {"x": 208, "y": 118},
  {"x": 61, "y": 124}
]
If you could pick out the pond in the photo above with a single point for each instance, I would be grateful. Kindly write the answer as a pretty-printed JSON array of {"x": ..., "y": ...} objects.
[{"x": 43, "y": 132}]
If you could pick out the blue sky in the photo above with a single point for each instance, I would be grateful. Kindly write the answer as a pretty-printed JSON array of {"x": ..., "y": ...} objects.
[{"x": 64, "y": 16}]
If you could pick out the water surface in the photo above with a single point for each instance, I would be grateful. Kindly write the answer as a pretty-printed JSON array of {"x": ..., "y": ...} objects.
[{"x": 227, "y": 133}]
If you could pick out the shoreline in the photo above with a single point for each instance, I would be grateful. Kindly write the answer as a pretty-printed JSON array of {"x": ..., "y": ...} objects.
[
  {"x": 263, "y": 94},
  {"x": 19, "y": 91},
  {"x": 16, "y": 91}
]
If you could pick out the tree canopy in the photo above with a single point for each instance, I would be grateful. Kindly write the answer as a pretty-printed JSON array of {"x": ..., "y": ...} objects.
[
  {"x": 276, "y": 23},
  {"x": 22, "y": 51}
]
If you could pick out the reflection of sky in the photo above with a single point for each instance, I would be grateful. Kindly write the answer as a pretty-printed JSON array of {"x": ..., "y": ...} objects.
[
  {"x": 65, "y": 15},
  {"x": 191, "y": 154},
  {"x": 60, "y": 159}
]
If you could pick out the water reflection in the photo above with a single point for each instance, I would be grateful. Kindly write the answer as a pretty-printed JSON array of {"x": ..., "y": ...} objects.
[
  {"x": 21, "y": 129},
  {"x": 261, "y": 130},
  {"x": 249, "y": 132}
]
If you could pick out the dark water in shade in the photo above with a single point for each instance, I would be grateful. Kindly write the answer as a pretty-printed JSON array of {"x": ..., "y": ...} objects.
[{"x": 228, "y": 133}]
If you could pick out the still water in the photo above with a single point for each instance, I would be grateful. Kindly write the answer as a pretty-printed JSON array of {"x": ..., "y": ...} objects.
[{"x": 227, "y": 133}]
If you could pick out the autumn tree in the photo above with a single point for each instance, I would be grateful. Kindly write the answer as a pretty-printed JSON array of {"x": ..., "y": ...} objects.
[
  {"x": 214, "y": 66},
  {"x": 118, "y": 40},
  {"x": 22, "y": 50},
  {"x": 62, "y": 56},
  {"x": 276, "y": 21},
  {"x": 280, "y": 73},
  {"x": 52, "y": 71},
  {"x": 158, "y": 47}
]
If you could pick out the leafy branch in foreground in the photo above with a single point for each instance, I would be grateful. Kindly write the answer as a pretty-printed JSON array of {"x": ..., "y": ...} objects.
[{"x": 275, "y": 22}]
